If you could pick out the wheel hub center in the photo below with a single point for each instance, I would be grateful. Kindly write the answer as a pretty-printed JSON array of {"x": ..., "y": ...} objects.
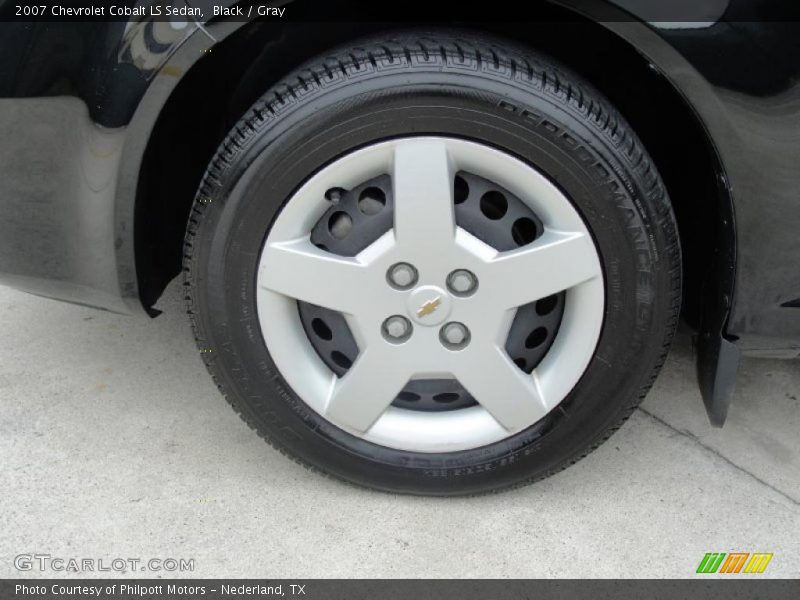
[{"x": 429, "y": 305}]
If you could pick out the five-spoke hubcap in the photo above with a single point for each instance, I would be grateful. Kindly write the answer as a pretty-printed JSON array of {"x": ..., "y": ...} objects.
[{"x": 429, "y": 300}]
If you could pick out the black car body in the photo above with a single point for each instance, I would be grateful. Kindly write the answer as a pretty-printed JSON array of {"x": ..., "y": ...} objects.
[{"x": 106, "y": 127}]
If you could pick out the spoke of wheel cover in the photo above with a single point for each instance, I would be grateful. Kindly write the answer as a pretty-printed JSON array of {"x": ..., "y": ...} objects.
[
  {"x": 555, "y": 262},
  {"x": 507, "y": 393},
  {"x": 368, "y": 388},
  {"x": 423, "y": 195},
  {"x": 300, "y": 270}
]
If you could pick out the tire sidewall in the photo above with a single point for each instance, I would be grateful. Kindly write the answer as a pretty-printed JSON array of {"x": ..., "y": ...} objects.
[{"x": 613, "y": 199}]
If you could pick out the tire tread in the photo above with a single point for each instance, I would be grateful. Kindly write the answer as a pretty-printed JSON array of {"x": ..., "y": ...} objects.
[{"x": 503, "y": 61}]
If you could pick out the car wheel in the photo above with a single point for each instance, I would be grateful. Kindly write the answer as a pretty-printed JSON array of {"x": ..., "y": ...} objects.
[{"x": 433, "y": 263}]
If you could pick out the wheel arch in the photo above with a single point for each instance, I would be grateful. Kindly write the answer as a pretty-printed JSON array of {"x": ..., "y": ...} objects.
[{"x": 220, "y": 85}]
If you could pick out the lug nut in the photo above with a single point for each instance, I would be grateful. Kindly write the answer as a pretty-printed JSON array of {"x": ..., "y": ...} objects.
[
  {"x": 462, "y": 282},
  {"x": 396, "y": 329},
  {"x": 402, "y": 276},
  {"x": 454, "y": 336}
]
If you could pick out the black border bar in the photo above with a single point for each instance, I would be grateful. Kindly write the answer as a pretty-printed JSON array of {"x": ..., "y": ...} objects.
[
  {"x": 408, "y": 11},
  {"x": 400, "y": 589}
]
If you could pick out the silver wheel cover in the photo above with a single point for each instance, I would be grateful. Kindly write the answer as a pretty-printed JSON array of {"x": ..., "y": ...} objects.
[{"x": 425, "y": 235}]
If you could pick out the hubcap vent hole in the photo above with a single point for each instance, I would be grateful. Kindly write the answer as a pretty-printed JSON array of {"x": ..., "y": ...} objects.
[
  {"x": 340, "y": 224},
  {"x": 341, "y": 360},
  {"x": 334, "y": 195},
  {"x": 494, "y": 205},
  {"x": 446, "y": 397},
  {"x": 546, "y": 305},
  {"x": 371, "y": 201},
  {"x": 321, "y": 329},
  {"x": 536, "y": 337},
  {"x": 524, "y": 231}
]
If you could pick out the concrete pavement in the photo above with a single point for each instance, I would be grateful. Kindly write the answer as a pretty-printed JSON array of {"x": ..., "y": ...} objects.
[{"x": 115, "y": 443}]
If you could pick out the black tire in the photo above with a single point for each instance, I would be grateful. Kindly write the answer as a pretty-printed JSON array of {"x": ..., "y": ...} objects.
[{"x": 464, "y": 86}]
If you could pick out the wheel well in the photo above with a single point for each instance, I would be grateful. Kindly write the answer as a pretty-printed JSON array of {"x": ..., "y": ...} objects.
[{"x": 226, "y": 82}]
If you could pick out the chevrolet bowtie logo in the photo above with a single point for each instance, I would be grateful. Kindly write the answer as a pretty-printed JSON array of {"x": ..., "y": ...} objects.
[{"x": 429, "y": 307}]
